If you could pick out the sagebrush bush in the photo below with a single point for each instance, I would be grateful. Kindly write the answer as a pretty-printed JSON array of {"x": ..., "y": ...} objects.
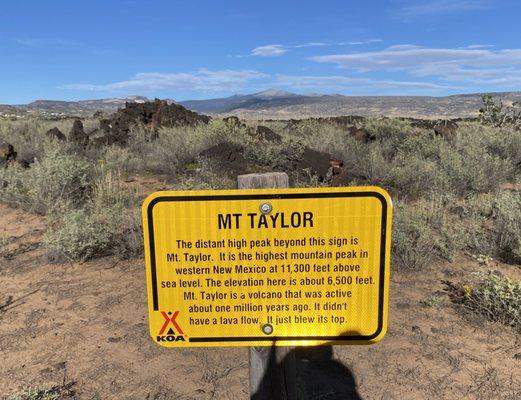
[
  {"x": 412, "y": 244},
  {"x": 54, "y": 393},
  {"x": 506, "y": 214},
  {"x": 58, "y": 181},
  {"x": 173, "y": 148},
  {"x": 205, "y": 177},
  {"x": 88, "y": 233},
  {"x": 493, "y": 224},
  {"x": 388, "y": 130},
  {"x": 496, "y": 297},
  {"x": 321, "y": 136},
  {"x": 425, "y": 233},
  {"x": 275, "y": 155},
  {"x": 109, "y": 223}
]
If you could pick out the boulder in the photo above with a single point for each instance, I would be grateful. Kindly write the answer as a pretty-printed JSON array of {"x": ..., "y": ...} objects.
[
  {"x": 77, "y": 135},
  {"x": 234, "y": 121},
  {"x": 336, "y": 166},
  {"x": 266, "y": 134},
  {"x": 154, "y": 114},
  {"x": 24, "y": 163},
  {"x": 345, "y": 120},
  {"x": 360, "y": 134},
  {"x": 55, "y": 134},
  {"x": 317, "y": 162},
  {"x": 446, "y": 129},
  {"x": 228, "y": 157},
  {"x": 7, "y": 153}
]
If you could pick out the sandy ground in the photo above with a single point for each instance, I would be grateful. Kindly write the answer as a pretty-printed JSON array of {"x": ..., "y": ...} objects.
[{"x": 86, "y": 324}]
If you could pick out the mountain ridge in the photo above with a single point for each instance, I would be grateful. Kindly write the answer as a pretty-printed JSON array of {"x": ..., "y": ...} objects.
[{"x": 279, "y": 104}]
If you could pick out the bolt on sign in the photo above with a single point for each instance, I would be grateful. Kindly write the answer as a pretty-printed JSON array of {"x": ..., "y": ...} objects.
[{"x": 263, "y": 267}]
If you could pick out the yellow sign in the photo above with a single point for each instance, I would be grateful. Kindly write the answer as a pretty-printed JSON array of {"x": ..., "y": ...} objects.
[{"x": 286, "y": 267}]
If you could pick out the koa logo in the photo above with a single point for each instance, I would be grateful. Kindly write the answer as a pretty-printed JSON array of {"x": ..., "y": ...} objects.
[{"x": 174, "y": 333}]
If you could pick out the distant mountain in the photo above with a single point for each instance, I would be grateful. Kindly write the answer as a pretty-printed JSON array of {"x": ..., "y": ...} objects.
[
  {"x": 278, "y": 104},
  {"x": 268, "y": 98},
  {"x": 282, "y": 105},
  {"x": 57, "y": 108}
]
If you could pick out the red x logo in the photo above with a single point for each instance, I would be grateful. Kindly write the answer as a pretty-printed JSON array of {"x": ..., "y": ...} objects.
[{"x": 170, "y": 320}]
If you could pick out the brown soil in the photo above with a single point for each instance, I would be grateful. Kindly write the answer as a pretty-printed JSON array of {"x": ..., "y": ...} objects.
[{"x": 86, "y": 323}]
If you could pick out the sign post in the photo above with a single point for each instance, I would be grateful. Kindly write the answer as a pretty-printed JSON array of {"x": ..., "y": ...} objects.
[
  {"x": 264, "y": 384},
  {"x": 268, "y": 267}
]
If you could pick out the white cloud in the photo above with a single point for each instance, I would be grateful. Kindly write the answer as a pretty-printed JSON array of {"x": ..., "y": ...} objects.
[
  {"x": 311, "y": 44},
  {"x": 270, "y": 50},
  {"x": 203, "y": 80},
  {"x": 360, "y": 42},
  {"x": 477, "y": 46},
  {"x": 276, "y": 50},
  {"x": 417, "y": 8},
  {"x": 206, "y": 81},
  {"x": 339, "y": 82},
  {"x": 461, "y": 64}
]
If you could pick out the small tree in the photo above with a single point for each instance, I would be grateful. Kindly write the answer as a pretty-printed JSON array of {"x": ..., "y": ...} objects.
[{"x": 495, "y": 113}]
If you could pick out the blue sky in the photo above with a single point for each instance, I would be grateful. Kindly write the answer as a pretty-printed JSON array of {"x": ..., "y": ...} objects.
[{"x": 203, "y": 49}]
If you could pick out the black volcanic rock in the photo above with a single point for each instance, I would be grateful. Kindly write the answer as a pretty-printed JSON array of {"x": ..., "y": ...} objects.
[
  {"x": 7, "y": 153},
  {"x": 265, "y": 133},
  {"x": 154, "y": 114},
  {"x": 55, "y": 133},
  {"x": 228, "y": 157},
  {"x": 77, "y": 135}
]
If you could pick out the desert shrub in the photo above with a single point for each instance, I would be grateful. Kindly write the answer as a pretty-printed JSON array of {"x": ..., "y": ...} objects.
[
  {"x": 57, "y": 181},
  {"x": 425, "y": 232},
  {"x": 412, "y": 245},
  {"x": 173, "y": 148},
  {"x": 278, "y": 156},
  {"x": 413, "y": 177},
  {"x": 108, "y": 224},
  {"x": 119, "y": 159},
  {"x": 57, "y": 392},
  {"x": 321, "y": 136},
  {"x": 366, "y": 163},
  {"x": 79, "y": 235},
  {"x": 204, "y": 176},
  {"x": 503, "y": 142},
  {"x": 392, "y": 131},
  {"x": 4, "y": 242},
  {"x": 86, "y": 233},
  {"x": 506, "y": 214},
  {"x": 426, "y": 165},
  {"x": 28, "y": 136},
  {"x": 493, "y": 224},
  {"x": 496, "y": 297},
  {"x": 108, "y": 188}
]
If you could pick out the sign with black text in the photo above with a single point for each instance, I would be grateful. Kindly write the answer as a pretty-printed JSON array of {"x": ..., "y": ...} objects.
[{"x": 288, "y": 267}]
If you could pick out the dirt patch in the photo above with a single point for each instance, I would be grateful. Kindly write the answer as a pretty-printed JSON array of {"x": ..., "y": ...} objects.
[{"x": 86, "y": 323}]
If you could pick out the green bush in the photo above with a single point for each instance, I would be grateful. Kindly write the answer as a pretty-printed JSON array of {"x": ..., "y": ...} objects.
[
  {"x": 496, "y": 114},
  {"x": 412, "y": 244},
  {"x": 58, "y": 181},
  {"x": 85, "y": 234},
  {"x": 172, "y": 149},
  {"x": 109, "y": 224},
  {"x": 54, "y": 393},
  {"x": 388, "y": 130},
  {"x": 277, "y": 156},
  {"x": 496, "y": 297},
  {"x": 493, "y": 224},
  {"x": 506, "y": 215},
  {"x": 426, "y": 232}
]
